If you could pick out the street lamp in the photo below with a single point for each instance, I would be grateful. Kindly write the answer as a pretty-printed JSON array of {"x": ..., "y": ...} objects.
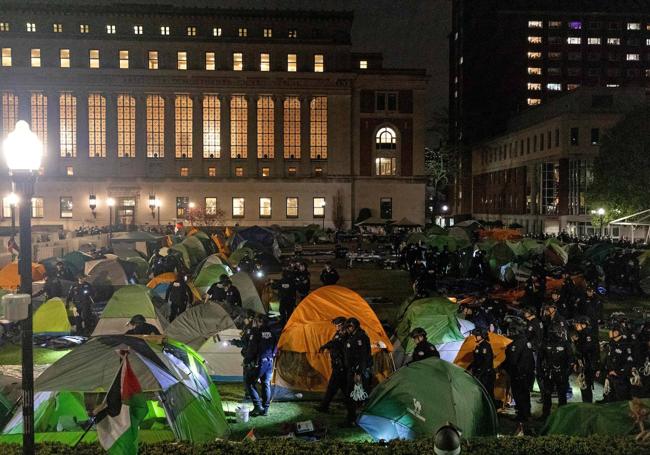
[
  {"x": 191, "y": 206},
  {"x": 601, "y": 215},
  {"x": 111, "y": 203},
  {"x": 92, "y": 203},
  {"x": 12, "y": 199},
  {"x": 445, "y": 208},
  {"x": 152, "y": 205},
  {"x": 23, "y": 152}
]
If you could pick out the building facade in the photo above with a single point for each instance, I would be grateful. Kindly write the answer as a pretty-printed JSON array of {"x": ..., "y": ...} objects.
[
  {"x": 241, "y": 117},
  {"x": 538, "y": 172},
  {"x": 510, "y": 55}
]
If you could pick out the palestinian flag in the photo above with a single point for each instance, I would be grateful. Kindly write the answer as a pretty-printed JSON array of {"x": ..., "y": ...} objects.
[{"x": 117, "y": 424}]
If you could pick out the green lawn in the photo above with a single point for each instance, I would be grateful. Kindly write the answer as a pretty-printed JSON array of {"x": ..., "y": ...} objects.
[{"x": 10, "y": 354}]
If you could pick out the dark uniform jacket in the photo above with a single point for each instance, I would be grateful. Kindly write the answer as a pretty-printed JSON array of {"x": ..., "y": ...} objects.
[
  {"x": 303, "y": 282},
  {"x": 144, "y": 329},
  {"x": 357, "y": 352},
  {"x": 336, "y": 347},
  {"x": 619, "y": 359},
  {"x": 179, "y": 294},
  {"x": 260, "y": 345},
  {"x": 520, "y": 359},
  {"x": 535, "y": 332},
  {"x": 483, "y": 362},
  {"x": 556, "y": 358},
  {"x": 424, "y": 350},
  {"x": 588, "y": 350},
  {"x": 329, "y": 277},
  {"x": 232, "y": 296},
  {"x": 286, "y": 291},
  {"x": 81, "y": 293},
  {"x": 217, "y": 292}
]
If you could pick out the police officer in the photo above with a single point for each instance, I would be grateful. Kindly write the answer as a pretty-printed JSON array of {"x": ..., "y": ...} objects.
[
  {"x": 329, "y": 276},
  {"x": 618, "y": 365},
  {"x": 520, "y": 365},
  {"x": 482, "y": 366},
  {"x": 82, "y": 295},
  {"x": 259, "y": 356},
  {"x": 61, "y": 272},
  {"x": 358, "y": 364},
  {"x": 423, "y": 349},
  {"x": 587, "y": 356},
  {"x": 476, "y": 314},
  {"x": 286, "y": 289},
  {"x": 217, "y": 292},
  {"x": 233, "y": 297},
  {"x": 335, "y": 347},
  {"x": 140, "y": 326},
  {"x": 552, "y": 320},
  {"x": 246, "y": 264},
  {"x": 591, "y": 306},
  {"x": 556, "y": 358},
  {"x": 303, "y": 280},
  {"x": 534, "y": 329},
  {"x": 179, "y": 295},
  {"x": 52, "y": 288}
]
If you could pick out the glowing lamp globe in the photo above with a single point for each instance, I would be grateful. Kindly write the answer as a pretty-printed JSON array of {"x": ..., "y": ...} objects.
[
  {"x": 12, "y": 199},
  {"x": 601, "y": 212},
  {"x": 23, "y": 149}
]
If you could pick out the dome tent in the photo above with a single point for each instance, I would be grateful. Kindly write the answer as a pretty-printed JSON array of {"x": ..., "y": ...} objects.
[
  {"x": 51, "y": 318},
  {"x": 404, "y": 407},
  {"x": 208, "y": 275},
  {"x": 250, "y": 298},
  {"x": 123, "y": 305}
]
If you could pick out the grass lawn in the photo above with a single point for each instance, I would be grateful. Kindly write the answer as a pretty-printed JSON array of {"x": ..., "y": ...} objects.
[{"x": 10, "y": 354}]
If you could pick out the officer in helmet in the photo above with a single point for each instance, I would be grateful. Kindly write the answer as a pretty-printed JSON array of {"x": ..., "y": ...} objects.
[
  {"x": 286, "y": 289},
  {"x": 556, "y": 358},
  {"x": 618, "y": 365},
  {"x": 423, "y": 349},
  {"x": 358, "y": 365},
  {"x": 553, "y": 319},
  {"x": 217, "y": 292},
  {"x": 482, "y": 366},
  {"x": 233, "y": 297},
  {"x": 335, "y": 347},
  {"x": 587, "y": 355},
  {"x": 520, "y": 365}
]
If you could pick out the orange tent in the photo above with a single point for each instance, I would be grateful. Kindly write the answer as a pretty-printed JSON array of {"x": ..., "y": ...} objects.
[
  {"x": 300, "y": 365},
  {"x": 10, "y": 279},
  {"x": 167, "y": 277},
  {"x": 466, "y": 353}
]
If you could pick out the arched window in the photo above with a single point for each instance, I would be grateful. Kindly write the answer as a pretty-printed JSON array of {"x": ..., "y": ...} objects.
[{"x": 386, "y": 139}]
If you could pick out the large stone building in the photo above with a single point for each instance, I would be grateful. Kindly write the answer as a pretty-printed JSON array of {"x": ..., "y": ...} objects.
[
  {"x": 253, "y": 116},
  {"x": 537, "y": 173}
]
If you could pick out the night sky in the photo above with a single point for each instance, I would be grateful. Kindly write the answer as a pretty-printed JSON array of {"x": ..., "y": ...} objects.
[{"x": 410, "y": 33}]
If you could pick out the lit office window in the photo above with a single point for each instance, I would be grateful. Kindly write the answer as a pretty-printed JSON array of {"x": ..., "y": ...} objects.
[
  {"x": 212, "y": 171},
  {"x": 68, "y": 125},
  {"x": 318, "y": 128},
  {"x": 184, "y": 172},
  {"x": 211, "y": 126},
  {"x": 292, "y": 207},
  {"x": 183, "y": 120},
  {"x": 574, "y": 40},
  {"x": 96, "y": 126},
  {"x": 164, "y": 30},
  {"x": 268, "y": 33},
  {"x": 293, "y": 33},
  {"x": 385, "y": 166},
  {"x": 110, "y": 29},
  {"x": 593, "y": 41},
  {"x": 237, "y": 61},
  {"x": 4, "y": 26},
  {"x": 84, "y": 28},
  {"x": 266, "y": 172},
  {"x": 6, "y": 56},
  {"x": 65, "y": 207},
  {"x": 36, "y": 58},
  {"x": 534, "y": 86},
  {"x": 238, "y": 207},
  {"x": 38, "y": 208},
  {"x": 9, "y": 112},
  {"x": 291, "y": 171},
  {"x": 137, "y": 29},
  {"x": 93, "y": 55},
  {"x": 634, "y": 26},
  {"x": 31, "y": 27},
  {"x": 155, "y": 126},
  {"x": 57, "y": 28},
  {"x": 555, "y": 24},
  {"x": 216, "y": 31},
  {"x": 319, "y": 207},
  {"x": 533, "y": 101},
  {"x": 243, "y": 32},
  {"x": 292, "y": 128},
  {"x": 265, "y": 62},
  {"x": 39, "y": 117},
  {"x": 363, "y": 64},
  {"x": 64, "y": 58},
  {"x": 238, "y": 127},
  {"x": 181, "y": 57},
  {"x": 534, "y": 55},
  {"x": 182, "y": 206},
  {"x": 555, "y": 87},
  {"x": 632, "y": 57},
  {"x": 124, "y": 60},
  {"x": 535, "y": 39},
  {"x": 292, "y": 62},
  {"x": 575, "y": 25},
  {"x": 319, "y": 63},
  {"x": 265, "y": 127},
  {"x": 265, "y": 207},
  {"x": 386, "y": 139},
  {"x": 210, "y": 204},
  {"x": 535, "y": 24},
  {"x": 125, "y": 126},
  {"x": 153, "y": 60},
  {"x": 210, "y": 61},
  {"x": 191, "y": 31},
  {"x": 534, "y": 71},
  {"x": 614, "y": 41}
]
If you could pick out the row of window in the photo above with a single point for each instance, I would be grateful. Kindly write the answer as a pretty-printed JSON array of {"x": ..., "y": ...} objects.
[
  {"x": 592, "y": 25},
  {"x": 592, "y": 72},
  {"x": 163, "y": 30},
  {"x": 591, "y": 41},
  {"x": 184, "y": 123},
  {"x": 154, "y": 61},
  {"x": 591, "y": 56}
]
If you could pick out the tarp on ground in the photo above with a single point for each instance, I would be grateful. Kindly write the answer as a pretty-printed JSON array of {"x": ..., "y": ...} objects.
[
  {"x": 586, "y": 419},
  {"x": 436, "y": 315},
  {"x": 125, "y": 303},
  {"x": 10, "y": 279},
  {"x": 51, "y": 318},
  {"x": 300, "y": 365},
  {"x": 250, "y": 298},
  {"x": 208, "y": 275},
  {"x": 421, "y": 397}
]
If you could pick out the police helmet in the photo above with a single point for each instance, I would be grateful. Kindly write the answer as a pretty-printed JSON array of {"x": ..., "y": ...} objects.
[
  {"x": 447, "y": 440},
  {"x": 616, "y": 327},
  {"x": 353, "y": 322},
  {"x": 529, "y": 310},
  {"x": 583, "y": 320},
  {"x": 551, "y": 304},
  {"x": 137, "y": 319},
  {"x": 226, "y": 281},
  {"x": 515, "y": 326},
  {"x": 339, "y": 320},
  {"x": 480, "y": 331},
  {"x": 418, "y": 332},
  {"x": 223, "y": 278}
]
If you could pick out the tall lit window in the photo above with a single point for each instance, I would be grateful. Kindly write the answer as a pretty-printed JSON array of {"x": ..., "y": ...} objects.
[
  {"x": 319, "y": 63},
  {"x": 4, "y": 26},
  {"x": 137, "y": 29},
  {"x": 535, "y": 39},
  {"x": 9, "y": 112},
  {"x": 183, "y": 117},
  {"x": 386, "y": 139},
  {"x": 265, "y": 127},
  {"x": 211, "y": 126},
  {"x": 6, "y": 56},
  {"x": 268, "y": 33},
  {"x": 216, "y": 31},
  {"x": 265, "y": 62},
  {"x": 293, "y": 33},
  {"x": 125, "y": 126},
  {"x": 65, "y": 207},
  {"x": 84, "y": 28},
  {"x": 574, "y": 40},
  {"x": 319, "y": 207},
  {"x": 39, "y": 117},
  {"x": 243, "y": 32},
  {"x": 68, "y": 125},
  {"x": 191, "y": 30},
  {"x": 238, "y": 127},
  {"x": 292, "y": 207},
  {"x": 57, "y": 28},
  {"x": 64, "y": 58},
  {"x": 182, "y": 206},
  {"x": 385, "y": 166},
  {"x": 182, "y": 60},
  {"x": 38, "y": 208},
  {"x": 210, "y": 206},
  {"x": 155, "y": 126},
  {"x": 363, "y": 64},
  {"x": 124, "y": 60},
  {"x": 153, "y": 60},
  {"x": 93, "y": 55},
  {"x": 593, "y": 41},
  {"x": 110, "y": 29},
  {"x": 265, "y": 207},
  {"x": 36, "y": 58},
  {"x": 292, "y": 128},
  {"x": 96, "y": 126},
  {"x": 238, "y": 207},
  {"x": 237, "y": 61},
  {"x": 292, "y": 62},
  {"x": 31, "y": 27},
  {"x": 164, "y": 30},
  {"x": 318, "y": 128},
  {"x": 210, "y": 61}
]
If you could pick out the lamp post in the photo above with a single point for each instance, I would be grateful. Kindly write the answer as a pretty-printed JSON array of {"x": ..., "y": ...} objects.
[
  {"x": 601, "y": 218},
  {"x": 23, "y": 152},
  {"x": 110, "y": 202},
  {"x": 152, "y": 205},
  {"x": 158, "y": 204},
  {"x": 191, "y": 206},
  {"x": 444, "y": 209},
  {"x": 13, "y": 203},
  {"x": 92, "y": 203}
]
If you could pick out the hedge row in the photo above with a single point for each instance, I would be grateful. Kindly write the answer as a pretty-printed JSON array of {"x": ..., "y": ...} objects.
[{"x": 547, "y": 445}]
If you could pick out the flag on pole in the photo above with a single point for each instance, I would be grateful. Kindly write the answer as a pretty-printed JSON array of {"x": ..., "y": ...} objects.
[{"x": 125, "y": 407}]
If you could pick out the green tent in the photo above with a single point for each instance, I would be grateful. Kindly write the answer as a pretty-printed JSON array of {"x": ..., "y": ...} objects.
[
  {"x": 195, "y": 249},
  {"x": 210, "y": 274},
  {"x": 125, "y": 303},
  {"x": 441, "y": 241},
  {"x": 586, "y": 419},
  {"x": 421, "y": 397},
  {"x": 53, "y": 411},
  {"x": 435, "y": 230},
  {"x": 436, "y": 315},
  {"x": 139, "y": 266},
  {"x": 181, "y": 250},
  {"x": 416, "y": 237},
  {"x": 76, "y": 262},
  {"x": 532, "y": 246},
  {"x": 554, "y": 253},
  {"x": 239, "y": 253},
  {"x": 51, "y": 318}
]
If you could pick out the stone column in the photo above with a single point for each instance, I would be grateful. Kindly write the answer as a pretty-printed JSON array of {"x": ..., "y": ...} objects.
[
  {"x": 53, "y": 135},
  {"x": 278, "y": 168},
  {"x": 197, "y": 136},
  {"x": 223, "y": 169},
  {"x": 251, "y": 167},
  {"x": 305, "y": 154}
]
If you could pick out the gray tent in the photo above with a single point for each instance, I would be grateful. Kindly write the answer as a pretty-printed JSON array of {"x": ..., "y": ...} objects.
[{"x": 250, "y": 298}]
